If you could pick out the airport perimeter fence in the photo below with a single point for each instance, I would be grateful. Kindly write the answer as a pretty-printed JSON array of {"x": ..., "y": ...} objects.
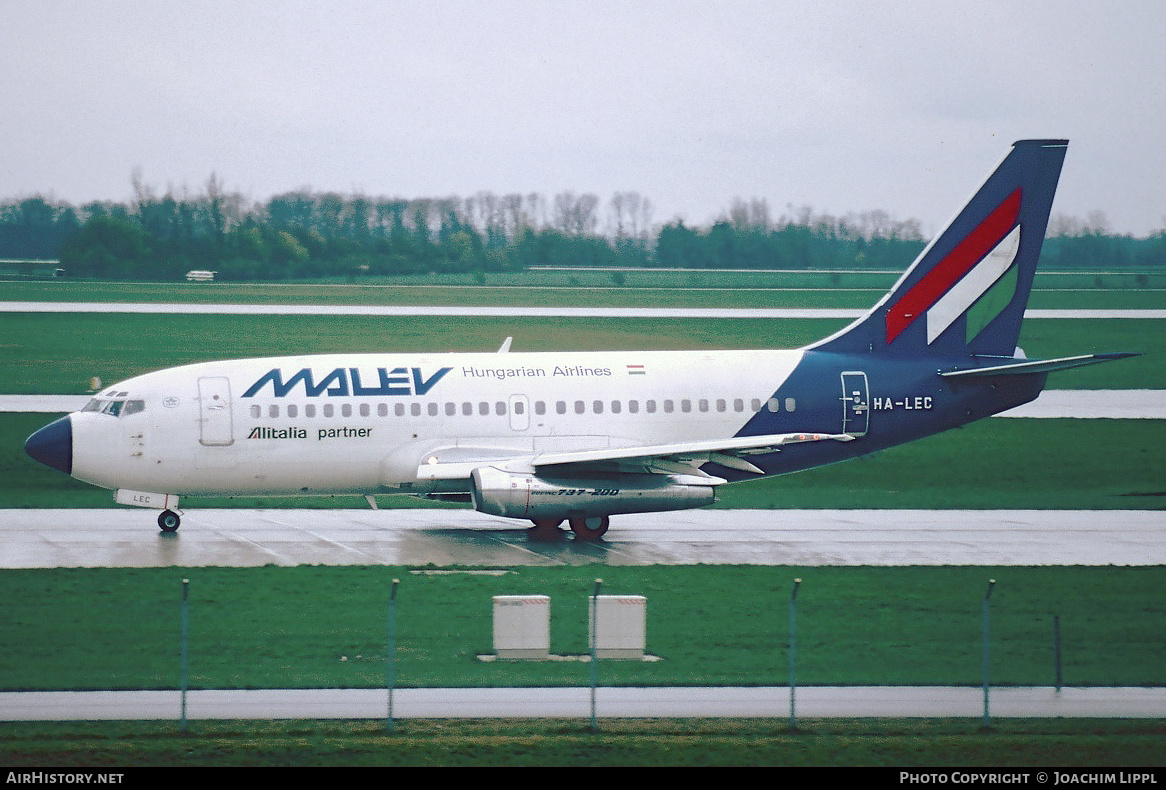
[
  {"x": 295, "y": 635},
  {"x": 619, "y": 643}
]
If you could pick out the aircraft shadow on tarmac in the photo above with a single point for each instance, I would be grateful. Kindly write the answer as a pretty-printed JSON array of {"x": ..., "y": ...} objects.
[{"x": 475, "y": 546}]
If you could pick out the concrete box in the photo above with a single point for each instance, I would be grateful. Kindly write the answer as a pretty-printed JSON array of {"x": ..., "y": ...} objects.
[
  {"x": 522, "y": 626},
  {"x": 617, "y": 625}
]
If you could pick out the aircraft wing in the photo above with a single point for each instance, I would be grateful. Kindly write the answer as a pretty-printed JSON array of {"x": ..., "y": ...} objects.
[
  {"x": 678, "y": 458},
  {"x": 686, "y": 457}
]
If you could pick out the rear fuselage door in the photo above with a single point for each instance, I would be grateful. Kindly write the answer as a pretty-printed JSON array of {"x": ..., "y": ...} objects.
[
  {"x": 214, "y": 411},
  {"x": 855, "y": 403}
]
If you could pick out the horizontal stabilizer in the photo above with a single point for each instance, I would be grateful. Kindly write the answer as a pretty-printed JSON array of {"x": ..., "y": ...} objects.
[{"x": 1035, "y": 366}]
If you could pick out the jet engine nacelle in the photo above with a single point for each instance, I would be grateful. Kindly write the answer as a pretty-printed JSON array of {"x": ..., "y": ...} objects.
[{"x": 526, "y": 495}]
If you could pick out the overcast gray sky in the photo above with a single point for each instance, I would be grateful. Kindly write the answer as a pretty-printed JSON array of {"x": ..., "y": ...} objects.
[{"x": 841, "y": 106}]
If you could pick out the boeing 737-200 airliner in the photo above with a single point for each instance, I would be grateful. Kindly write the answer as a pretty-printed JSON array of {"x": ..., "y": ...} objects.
[{"x": 582, "y": 436}]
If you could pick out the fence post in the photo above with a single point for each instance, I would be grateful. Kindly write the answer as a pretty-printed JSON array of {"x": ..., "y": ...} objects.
[
  {"x": 793, "y": 648},
  {"x": 1057, "y": 650},
  {"x": 594, "y": 656},
  {"x": 391, "y": 662},
  {"x": 984, "y": 668},
  {"x": 184, "y": 651}
]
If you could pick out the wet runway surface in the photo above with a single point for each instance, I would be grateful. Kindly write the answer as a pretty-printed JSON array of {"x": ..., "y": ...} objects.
[{"x": 444, "y": 537}]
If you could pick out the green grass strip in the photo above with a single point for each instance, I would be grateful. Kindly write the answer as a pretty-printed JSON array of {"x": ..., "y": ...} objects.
[
  {"x": 891, "y": 744},
  {"x": 58, "y": 353},
  {"x": 325, "y": 627}
]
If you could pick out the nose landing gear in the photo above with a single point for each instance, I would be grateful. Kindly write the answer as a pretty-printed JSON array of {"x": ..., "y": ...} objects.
[{"x": 169, "y": 521}]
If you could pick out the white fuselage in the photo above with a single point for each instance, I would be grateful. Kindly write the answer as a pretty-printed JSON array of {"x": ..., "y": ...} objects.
[{"x": 363, "y": 423}]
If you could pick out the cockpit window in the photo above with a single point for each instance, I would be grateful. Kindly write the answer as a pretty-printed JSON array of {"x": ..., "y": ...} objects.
[{"x": 115, "y": 408}]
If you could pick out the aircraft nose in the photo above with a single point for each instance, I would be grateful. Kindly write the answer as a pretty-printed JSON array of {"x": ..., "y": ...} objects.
[{"x": 52, "y": 445}]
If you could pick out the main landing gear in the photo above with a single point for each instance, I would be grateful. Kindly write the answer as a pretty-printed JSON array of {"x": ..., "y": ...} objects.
[
  {"x": 589, "y": 528},
  {"x": 169, "y": 521}
]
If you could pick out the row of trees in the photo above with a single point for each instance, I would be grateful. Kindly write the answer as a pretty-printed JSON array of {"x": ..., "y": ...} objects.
[{"x": 306, "y": 234}]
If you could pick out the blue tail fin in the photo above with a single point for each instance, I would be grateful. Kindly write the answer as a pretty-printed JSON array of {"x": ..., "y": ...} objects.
[{"x": 966, "y": 293}]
